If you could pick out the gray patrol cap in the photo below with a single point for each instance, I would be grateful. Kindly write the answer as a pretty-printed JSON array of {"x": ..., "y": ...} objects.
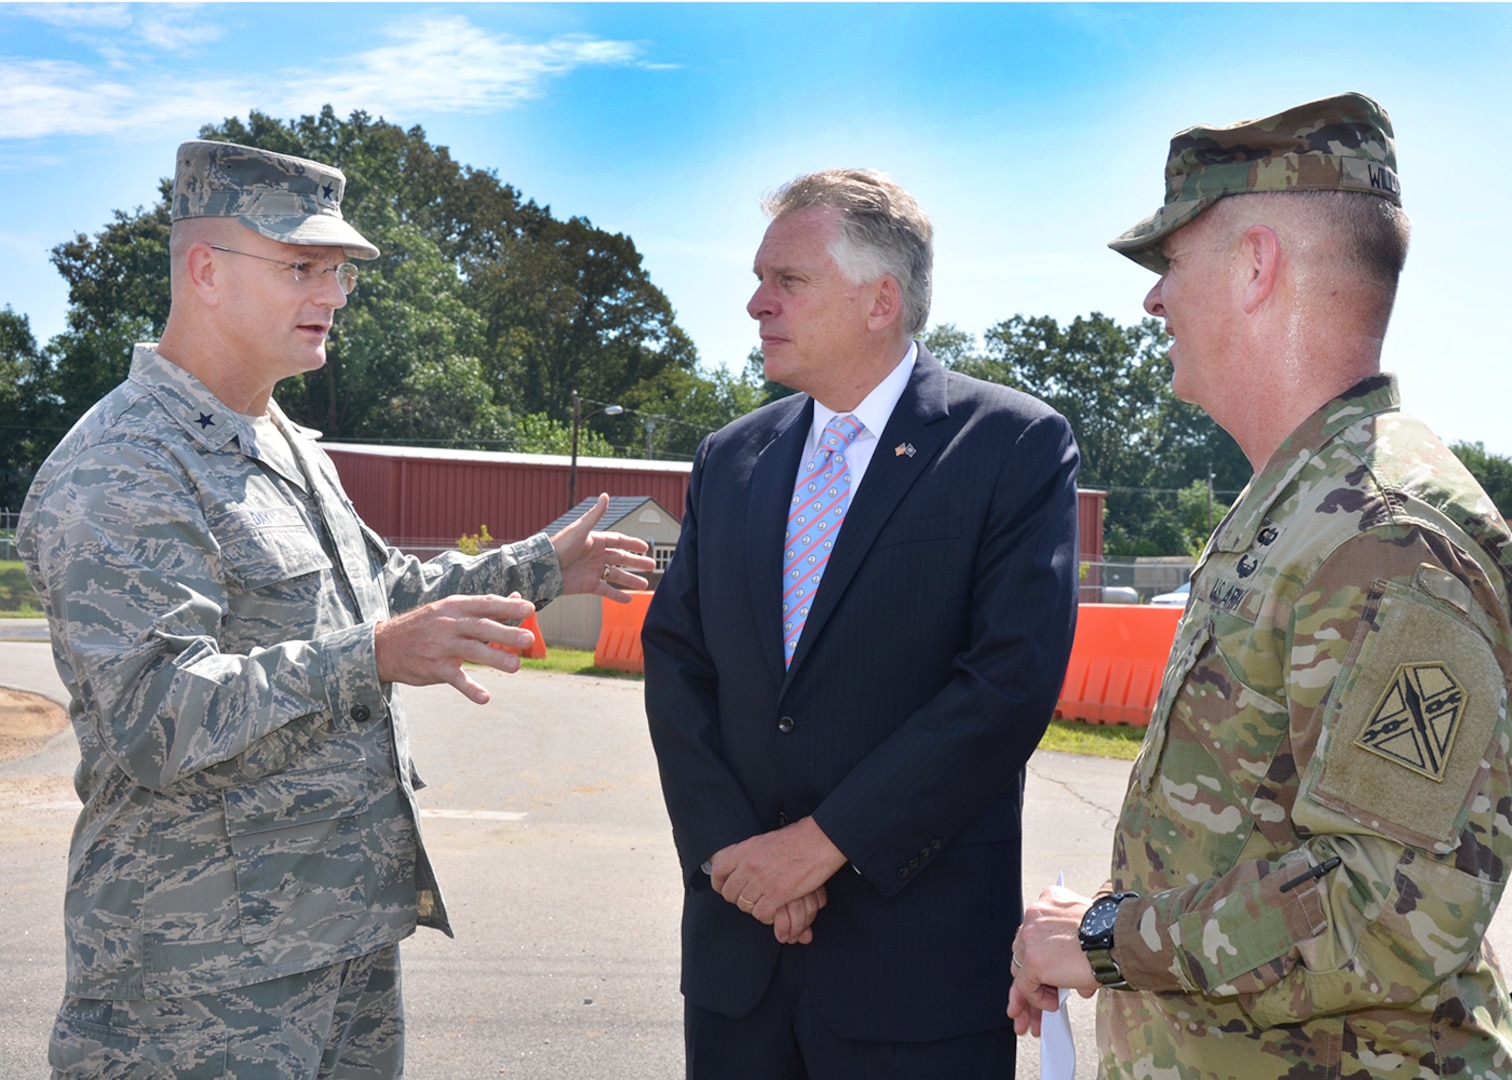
[{"x": 288, "y": 199}]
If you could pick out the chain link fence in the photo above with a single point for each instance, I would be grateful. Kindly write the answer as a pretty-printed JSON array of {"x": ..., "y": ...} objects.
[
  {"x": 1133, "y": 581},
  {"x": 8, "y": 519}
]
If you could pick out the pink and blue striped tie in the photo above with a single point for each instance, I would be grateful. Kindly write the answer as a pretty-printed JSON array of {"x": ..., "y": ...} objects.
[{"x": 817, "y": 511}]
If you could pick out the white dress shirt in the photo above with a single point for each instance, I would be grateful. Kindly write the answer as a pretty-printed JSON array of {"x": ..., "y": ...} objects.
[{"x": 874, "y": 412}]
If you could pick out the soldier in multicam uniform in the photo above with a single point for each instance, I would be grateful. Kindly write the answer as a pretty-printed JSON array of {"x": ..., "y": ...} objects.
[
  {"x": 1318, "y": 828},
  {"x": 249, "y": 854}
]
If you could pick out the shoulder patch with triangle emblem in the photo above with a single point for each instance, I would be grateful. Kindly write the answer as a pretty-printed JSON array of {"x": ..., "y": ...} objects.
[{"x": 1415, "y": 721}]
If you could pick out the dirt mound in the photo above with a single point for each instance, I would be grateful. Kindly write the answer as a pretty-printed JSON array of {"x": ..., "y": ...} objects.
[{"x": 26, "y": 723}]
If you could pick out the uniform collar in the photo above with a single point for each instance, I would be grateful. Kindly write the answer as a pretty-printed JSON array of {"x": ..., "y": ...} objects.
[
  {"x": 206, "y": 419},
  {"x": 1371, "y": 396}
]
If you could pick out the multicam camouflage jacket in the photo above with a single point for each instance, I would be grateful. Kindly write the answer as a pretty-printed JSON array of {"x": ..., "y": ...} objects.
[
  {"x": 1320, "y": 820},
  {"x": 248, "y": 793}
]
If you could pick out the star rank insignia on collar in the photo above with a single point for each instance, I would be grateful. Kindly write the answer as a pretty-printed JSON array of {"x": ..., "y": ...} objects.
[
  {"x": 328, "y": 191},
  {"x": 1415, "y": 721},
  {"x": 904, "y": 449},
  {"x": 206, "y": 420}
]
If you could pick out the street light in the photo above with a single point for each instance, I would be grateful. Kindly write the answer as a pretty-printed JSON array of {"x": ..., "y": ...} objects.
[{"x": 577, "y": 422}]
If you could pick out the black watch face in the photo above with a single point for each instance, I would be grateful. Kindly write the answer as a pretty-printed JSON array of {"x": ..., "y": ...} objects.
[{"x": 1100, "y": 917}]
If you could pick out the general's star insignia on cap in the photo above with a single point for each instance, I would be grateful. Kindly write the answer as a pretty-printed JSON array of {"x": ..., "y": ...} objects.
[
  {"x": 904, "y": 448},
  {"x": 205, "y": 420},
  {"x": 1415, "y": 721}
]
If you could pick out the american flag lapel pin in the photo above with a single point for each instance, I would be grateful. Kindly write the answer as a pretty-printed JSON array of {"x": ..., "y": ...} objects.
[{"x": 904, "y": 449}]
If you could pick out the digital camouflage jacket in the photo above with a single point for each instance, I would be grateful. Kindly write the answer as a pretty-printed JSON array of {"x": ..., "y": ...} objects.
[{"x": 248, "y": 793}]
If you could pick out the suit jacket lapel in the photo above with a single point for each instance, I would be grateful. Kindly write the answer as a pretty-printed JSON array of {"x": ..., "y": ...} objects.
[
  {"x": 888, "y": 478},
  {"x": 771, "y": 493}
]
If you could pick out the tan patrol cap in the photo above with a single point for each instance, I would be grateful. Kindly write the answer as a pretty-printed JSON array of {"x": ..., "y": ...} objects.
[
  {"x": 284, "y": 198},
  {"x": 1340, "y": 143}
]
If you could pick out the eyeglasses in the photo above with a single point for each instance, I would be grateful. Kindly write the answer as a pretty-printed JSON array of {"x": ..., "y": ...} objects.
[{"x": 305, "y": 269}]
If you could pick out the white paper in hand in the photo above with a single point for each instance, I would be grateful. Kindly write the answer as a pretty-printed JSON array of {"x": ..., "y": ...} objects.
[{"x": 1057, "y": 1050}]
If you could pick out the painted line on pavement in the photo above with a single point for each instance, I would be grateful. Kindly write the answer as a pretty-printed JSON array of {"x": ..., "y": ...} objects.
[{"x": 473, "y": 815}]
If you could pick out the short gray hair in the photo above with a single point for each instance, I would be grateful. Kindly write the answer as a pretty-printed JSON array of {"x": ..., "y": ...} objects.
[{"x": 883, "y": 230}]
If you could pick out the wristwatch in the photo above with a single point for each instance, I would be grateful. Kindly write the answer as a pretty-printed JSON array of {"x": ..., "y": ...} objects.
[{"x": 1096, "y": 935}]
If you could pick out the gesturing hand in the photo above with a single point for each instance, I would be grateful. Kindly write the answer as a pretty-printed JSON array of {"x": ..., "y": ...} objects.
[
  {"x": 430, "y": 644},
  {"x": 603, "y": 563}
]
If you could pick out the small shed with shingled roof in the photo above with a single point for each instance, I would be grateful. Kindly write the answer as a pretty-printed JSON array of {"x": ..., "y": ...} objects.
[{"x": 573, "y": 622}]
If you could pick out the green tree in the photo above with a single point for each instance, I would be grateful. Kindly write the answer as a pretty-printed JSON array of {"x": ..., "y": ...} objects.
[
  {"x": 755, "y": 375},
  {"x": 560, "y": 305},
  {"x": 1137, "y": 441},
  {"x": 542, "y": 434},
  {"x": 482, "y": 308},
  {"x": 684, "y": 406},
  {"x": 1493, "y": 471},
  {"x": 27, "y": 412},
  {"x": 951, "y": 346},
  {"x": 117, "y": 296}
]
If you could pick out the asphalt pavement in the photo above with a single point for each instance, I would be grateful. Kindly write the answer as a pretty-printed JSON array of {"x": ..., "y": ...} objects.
[{"x": 545, "y": 821}]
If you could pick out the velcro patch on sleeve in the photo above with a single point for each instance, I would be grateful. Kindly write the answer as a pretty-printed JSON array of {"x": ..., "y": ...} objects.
[{"x": 1410, "y": 721}]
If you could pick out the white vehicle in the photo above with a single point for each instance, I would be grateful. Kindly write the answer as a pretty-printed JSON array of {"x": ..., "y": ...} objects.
[{"x": 1175, "y": 598}]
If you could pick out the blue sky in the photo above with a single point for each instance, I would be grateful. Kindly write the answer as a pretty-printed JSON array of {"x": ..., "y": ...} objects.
[{"x": 1031, "y": 133}]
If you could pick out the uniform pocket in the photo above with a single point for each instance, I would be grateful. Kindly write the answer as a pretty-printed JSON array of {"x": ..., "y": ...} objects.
[
  {"x": 1191, "y": 637},
  {"x": 301, "y": 850},
  {"x": 1213, "y": 739},
  {"x": 259, "y": 548},
  {"x": 94, "y": 1039}
]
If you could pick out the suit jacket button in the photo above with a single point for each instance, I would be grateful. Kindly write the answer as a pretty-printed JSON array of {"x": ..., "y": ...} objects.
[
  {"x": 925, "y": 853},
  {"x": 361, "y": 713},
  {"x": 782, "y": 818},
  {"x": 913, "y": 864},
  {"x": 785, "y": 725},
  {"x": 935, "y": 845},
  {"x": 903, "y": 873}
]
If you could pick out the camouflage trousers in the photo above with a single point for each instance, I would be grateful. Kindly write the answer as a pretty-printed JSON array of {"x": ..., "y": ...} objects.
[{"x": 342, "y": 1022}]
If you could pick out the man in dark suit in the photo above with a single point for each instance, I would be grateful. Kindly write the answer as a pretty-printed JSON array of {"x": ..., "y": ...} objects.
[{"x": 854, "y": 651}]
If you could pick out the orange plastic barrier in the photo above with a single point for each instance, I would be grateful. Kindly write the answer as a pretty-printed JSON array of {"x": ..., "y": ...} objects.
[
  {"x": 619, "y": 640},
  {"x": 536, "y": 651},
  {"x": 1117, "y": 660}
]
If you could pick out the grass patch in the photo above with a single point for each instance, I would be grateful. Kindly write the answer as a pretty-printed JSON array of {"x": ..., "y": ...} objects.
[
  {"x": 1096, "y": 740},
  {"x": 1068, "y": 736},
  {"x": 574, "y": 662},
  {"x": 17, "y": 600}
]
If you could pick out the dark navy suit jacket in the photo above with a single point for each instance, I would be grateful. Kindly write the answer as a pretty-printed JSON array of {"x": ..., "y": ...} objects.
[{"x": 928, "y": 669}]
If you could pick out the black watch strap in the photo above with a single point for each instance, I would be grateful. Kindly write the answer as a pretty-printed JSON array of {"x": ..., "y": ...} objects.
[
  {"x": 1096, "y": 935},
  {"x": 1106, "y": 969}
]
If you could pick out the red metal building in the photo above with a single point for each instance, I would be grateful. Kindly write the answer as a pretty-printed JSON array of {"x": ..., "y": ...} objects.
[{"x": 419, "y": 498}]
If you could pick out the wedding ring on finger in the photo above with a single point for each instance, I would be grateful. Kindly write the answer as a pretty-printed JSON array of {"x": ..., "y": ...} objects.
[
  {"x": 605, "y": 575},
  {"x": 1017, "y": 963}
]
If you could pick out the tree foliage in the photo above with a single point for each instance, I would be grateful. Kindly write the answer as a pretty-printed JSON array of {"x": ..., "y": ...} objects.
[
  {"x": 25, "y": 406},
  {"x": 483, "y": 308},
  {"x": 1493, "y": 471},
  {"x": 1137, "y": 441},
  {"x": 485, "y": 313},
  {"x": 469, "y": 271}
]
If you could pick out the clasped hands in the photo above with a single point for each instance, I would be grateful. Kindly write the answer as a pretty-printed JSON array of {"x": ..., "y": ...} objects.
[
  {"x": 778, "y": 877},
  {"x": 1047, "y": 956}
]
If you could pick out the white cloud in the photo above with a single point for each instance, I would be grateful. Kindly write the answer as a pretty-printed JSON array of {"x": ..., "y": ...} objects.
[
  {"x": 447, "y": 65},
  {"x": 172, "y": 27},
  {"x": 435, "y": 65},
  {"x": 49, "y": 98},
  {"x": 57, "y": 97},
  {"x": 75, "y": 16}
]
